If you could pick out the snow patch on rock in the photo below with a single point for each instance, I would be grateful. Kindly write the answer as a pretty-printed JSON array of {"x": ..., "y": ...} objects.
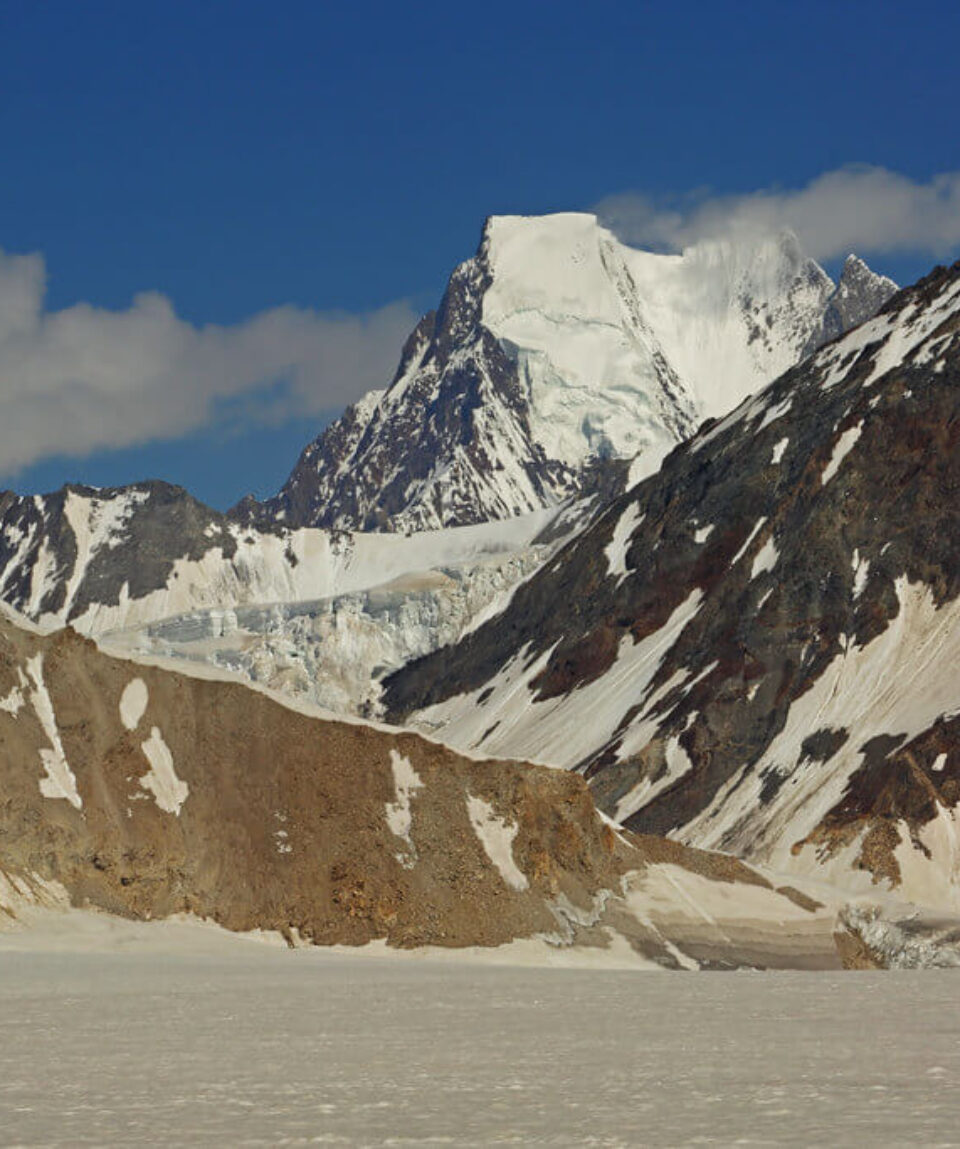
[
  {"x": 14, "y": 701},
  {"x": 496, "y": 836},
  {"x": 861, "y": 572},
  {"x": 777, "y": 411},
  {"x": 757, "y": 528},
  {"x": 843, "y": 446},
  {"x": 133, "y": 703},
  {"x": 169, "y": 791},
  {"x": 406, "y": 782},
  {"x": 616, "y": 550},
  {"x": 765, "y": 558},
  {"x": 60, "y": 781}
]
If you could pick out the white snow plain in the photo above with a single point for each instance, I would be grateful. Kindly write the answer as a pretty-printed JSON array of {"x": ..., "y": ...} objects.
[{"x": 217, "y": 1042}]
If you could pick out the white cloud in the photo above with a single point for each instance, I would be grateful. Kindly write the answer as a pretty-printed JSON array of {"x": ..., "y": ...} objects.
[
  {"x": 84, "y": 378},
  {"x": 858, "y": 208}
]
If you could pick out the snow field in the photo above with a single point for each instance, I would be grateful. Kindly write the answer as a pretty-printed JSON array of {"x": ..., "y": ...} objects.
[
  {"x": 898, "y": 684},
  {"x": 553, "y": 732}
]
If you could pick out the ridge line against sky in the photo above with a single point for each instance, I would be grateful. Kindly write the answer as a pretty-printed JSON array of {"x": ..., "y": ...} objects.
[{"x": 241, "y": 208}]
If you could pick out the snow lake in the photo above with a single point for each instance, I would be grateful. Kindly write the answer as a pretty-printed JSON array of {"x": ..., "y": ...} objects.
[{"x": 251, "y": 1045}]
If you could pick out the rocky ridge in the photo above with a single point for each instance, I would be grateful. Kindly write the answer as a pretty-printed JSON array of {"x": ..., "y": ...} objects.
[
  {"x": 144, "y": 792},
  {"x": 752, "y": 650}
]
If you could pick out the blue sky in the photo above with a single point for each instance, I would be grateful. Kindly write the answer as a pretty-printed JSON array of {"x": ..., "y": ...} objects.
[{"x": 323, "y": 167}]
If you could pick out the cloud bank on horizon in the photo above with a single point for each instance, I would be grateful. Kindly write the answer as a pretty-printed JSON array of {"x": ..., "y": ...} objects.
[
  {"x": 85, "y": 379},
  {"x": 860, "y": 208}
]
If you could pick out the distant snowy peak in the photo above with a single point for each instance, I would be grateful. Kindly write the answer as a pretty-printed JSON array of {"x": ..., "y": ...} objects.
[
  {"x": 448, "y": 443},
  {"x": 565, "y": 305},
  {"x": 859, "y": 295},
  {"x": 554, "y": 347}
]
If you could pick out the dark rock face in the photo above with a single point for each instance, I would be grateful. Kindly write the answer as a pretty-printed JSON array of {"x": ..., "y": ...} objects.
[
  {"x": 62, "y": 552},
  {"x": 827, "y": 497}
]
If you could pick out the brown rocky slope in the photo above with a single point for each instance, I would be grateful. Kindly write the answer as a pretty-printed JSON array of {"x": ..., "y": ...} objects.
[{"x": 145, "y": 793}]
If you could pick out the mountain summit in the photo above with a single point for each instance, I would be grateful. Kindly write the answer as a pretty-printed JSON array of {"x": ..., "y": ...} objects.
[{"x": 555, "y": 347}]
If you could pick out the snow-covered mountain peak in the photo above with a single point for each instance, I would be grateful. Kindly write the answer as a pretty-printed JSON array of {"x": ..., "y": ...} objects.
[
  {"x": 859, "y": 295},
  {"x": 854, "y": 265},
  {"x": 556, "y": 346},
  {"x": 855, "y": 270},
  {"x": 553, "y": 264},
  {"x": 618, "y": 345}
]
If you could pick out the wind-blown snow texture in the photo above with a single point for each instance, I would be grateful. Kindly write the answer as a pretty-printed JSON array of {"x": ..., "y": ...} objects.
[
  {"x": 555, "y": 347},
  {"x": 781, "y": 685}
]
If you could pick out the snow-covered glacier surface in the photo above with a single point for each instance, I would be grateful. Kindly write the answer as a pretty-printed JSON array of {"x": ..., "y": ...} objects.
[
  {"x": 258, "y": 1046},
  {"x": 351, "y": 608},
  {"x": 321, "y": 614}
]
